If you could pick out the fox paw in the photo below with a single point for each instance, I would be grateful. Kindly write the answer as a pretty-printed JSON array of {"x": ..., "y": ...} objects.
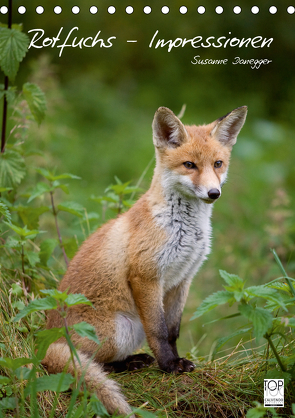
[
  {"x": 139, "y": 361},
  {"x": 179, "y": 365},
  {"x": 134, "y": 362}
]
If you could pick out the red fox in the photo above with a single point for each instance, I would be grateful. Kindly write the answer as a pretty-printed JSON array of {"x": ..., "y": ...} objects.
[{"x": 137, "y": 269}]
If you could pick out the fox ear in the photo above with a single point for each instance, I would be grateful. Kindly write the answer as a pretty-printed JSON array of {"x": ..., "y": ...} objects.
[
  {"x": 168, "y": 131},
  {"x": 228, "y": 127}
]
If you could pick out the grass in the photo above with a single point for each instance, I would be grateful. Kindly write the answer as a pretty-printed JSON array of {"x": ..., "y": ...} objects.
[
  {"x": 225, "y": 387},
  {"x": 211, "y": 390}
]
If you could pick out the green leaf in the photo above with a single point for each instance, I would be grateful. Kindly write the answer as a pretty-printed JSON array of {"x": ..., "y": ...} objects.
[
  {"x": 118, "y": 181},
  {"x": 23, "y": 373},
  {"x": 118, "y": 189},
  {"x": 278, "y": 374},
  {"x": 261, "y": 319},
  {"x": 16, "y": 228},
  {"x": 7, "y": 390},
  {"x": 36, "y": 101},
  {"x": 40, "y": 189},
  {"x": 56, "y": 294},
  {"x": 290, "y": 322},
  {"x": 16, "y": 289},
  {"x": 222, "y": 318},
  {"x": 59, "y": 382},
  {"x": 5, "y": 189},
  {"x": 72, "y": 207},
  {"x": 289, "y": 279},
  {"x": 256, "y": 413},
  {"x": 37, "y": 305},
  {"x": 11, "y": 242},
  {"x": 13, "y": 48},
  {"x": 235, "y": 284},
  {"x": 98, "y": 199},
  {"x": 18, "y": 304},
  {"x": 17, "y": 26},
  {"x": 89, "y": 217},
  {"x": 266, "y": 293},
  {"x": 71, "y": 247},
  {"x": 273, "y": 306},
  {"x": 144, "y": 414},
  {"x": 8, "y": 403},
  {"x": 86, "y": 330},
  {"x": 12, "y": 168},
  {"x": 66, "y": 176},
  {"x": 5, "y": 212},
  {"x": 221, "y": 341},
  {"x": 10, "y": 93},
  {"x": 24, "y": 233},
  {"x": 246, "y": 310},
  {"x": 77, "y": 299},
  {"x": 63, "y": 187},
  {"x": 232, "y": 280},
  {"x": 46, "y": 249},
  {"x": 45, "y": 173},
  {"x": 279, "y": 286},
  {"x": 261, "y": 411},
  {"x": 4, "y": 380},
  {"x": 121, "y": 189},
  {"x": 82, "y": 411},
  {"x": 22, "y": 329},
  {"x": 218, "y": 298},
  {"x": 103, "y": 199},
  {"x": 47, "y": 337},
  {"x": 97, "y": 407},
  {"x": 128, "y": 203},
  {"x": 15, "y": 363},
  {"x": 30, "y": 216},
  {"x": 52, "y": 177},
  {"x": 33, "y": 258}
]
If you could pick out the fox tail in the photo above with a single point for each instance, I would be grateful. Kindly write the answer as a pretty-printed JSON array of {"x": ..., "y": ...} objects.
[{"x": 107, "y": 391}]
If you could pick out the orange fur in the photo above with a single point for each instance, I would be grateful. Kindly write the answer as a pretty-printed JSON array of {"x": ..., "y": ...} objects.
[{"x": 136, "y": 270}]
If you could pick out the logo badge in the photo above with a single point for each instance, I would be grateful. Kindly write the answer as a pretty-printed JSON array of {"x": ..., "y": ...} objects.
[{"x": 274, "y": 392}]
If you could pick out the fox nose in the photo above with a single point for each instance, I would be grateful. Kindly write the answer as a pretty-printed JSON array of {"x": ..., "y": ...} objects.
[{"x": 214, "y": 194}]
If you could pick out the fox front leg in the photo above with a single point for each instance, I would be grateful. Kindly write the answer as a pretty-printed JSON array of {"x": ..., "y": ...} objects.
[
  {"x": 174, "y": 302},
  {"x": 149, "y": 301}
]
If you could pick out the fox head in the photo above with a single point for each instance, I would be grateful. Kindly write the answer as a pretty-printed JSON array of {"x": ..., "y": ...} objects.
[{"x": 194, "y": 159}]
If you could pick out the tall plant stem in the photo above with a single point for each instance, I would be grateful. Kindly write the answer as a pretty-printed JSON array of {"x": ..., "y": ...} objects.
[
  {"x": 269, "y": 340},
  {"x": 284, "y": 272},
  {"x": 23, "y": 260},
  {"x": 71, "y": 351},
  {"x": 282, "y": 367},
  {"x": 4, "y": 117},
  {"x": 6, "y": 81},
  {"x": 57, "y": 229},
  {"x": 25, "y": 282}
]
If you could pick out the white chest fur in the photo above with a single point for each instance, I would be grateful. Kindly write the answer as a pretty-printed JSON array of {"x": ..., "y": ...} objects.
[{"x": 187, "y": 225}]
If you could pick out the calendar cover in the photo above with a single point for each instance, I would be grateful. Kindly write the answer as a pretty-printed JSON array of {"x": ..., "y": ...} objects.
[{"x": 179, "y": 305}]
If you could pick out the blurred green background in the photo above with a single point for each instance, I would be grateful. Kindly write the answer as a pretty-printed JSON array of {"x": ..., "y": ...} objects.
[{"x": 101, "y": 104}]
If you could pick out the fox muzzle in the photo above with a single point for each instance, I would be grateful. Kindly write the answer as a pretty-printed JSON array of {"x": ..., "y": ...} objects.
[{"x": 213, "y": 194}]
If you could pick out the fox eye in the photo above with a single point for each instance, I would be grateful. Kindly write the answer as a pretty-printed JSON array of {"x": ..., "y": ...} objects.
[
  {"x": 218, "y": 164},
  {"x": 189, "y": 165}
]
